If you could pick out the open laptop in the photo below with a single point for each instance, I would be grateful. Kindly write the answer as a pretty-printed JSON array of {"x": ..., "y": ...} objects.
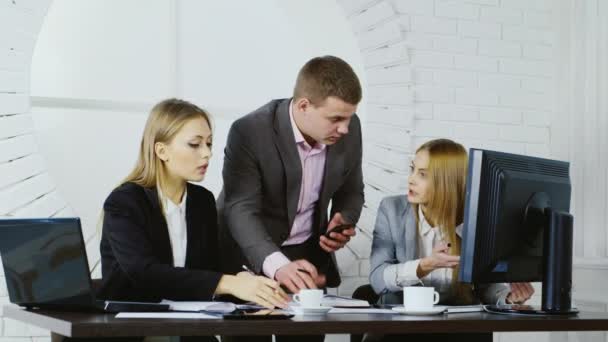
[{"x": 45, "y": 266}]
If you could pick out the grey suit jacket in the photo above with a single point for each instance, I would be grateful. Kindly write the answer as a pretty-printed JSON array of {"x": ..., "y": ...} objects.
[
  {"x": 262, "y": 177},
  {"x": 395, "y": 242}
]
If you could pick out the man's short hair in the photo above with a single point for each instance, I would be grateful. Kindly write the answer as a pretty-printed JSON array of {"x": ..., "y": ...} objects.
[{"x": 326, "y": 76}]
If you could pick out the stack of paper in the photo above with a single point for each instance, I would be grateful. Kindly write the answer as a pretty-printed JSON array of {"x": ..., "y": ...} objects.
[
  {"x": 168, "y": 315},
  {"x": 210, "y": 307},
  {"x": 343, "y": 302},
  {"x": 185, "y": 310},
  {"x": 361, "y": 311},
  {"x": 463, "y": 308}
]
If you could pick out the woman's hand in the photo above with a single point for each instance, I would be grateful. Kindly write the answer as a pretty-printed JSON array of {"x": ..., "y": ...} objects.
[
  {"x": 439, "y": 259},
  {"x": 257, "y": 289},
  {"x": 520, "y": 293}
]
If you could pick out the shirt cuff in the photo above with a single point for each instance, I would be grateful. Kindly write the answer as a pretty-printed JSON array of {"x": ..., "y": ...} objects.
[
  {"x": 407, "y": 273},
  {"x": 502, "y": 294},
  {"x": 273, "y": 262}
]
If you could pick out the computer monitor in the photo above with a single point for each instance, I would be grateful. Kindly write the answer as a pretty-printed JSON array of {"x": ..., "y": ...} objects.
[{"x": 517, "y": 227}]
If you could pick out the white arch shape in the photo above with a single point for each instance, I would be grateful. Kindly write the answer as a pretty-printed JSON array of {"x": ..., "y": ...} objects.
[{"x": 28, "y": 190}]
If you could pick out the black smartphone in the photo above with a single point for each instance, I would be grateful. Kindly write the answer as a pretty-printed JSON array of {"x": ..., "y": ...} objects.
[
  {"x": 259, "y": 314},
  {"x": 337, "y": 229}
]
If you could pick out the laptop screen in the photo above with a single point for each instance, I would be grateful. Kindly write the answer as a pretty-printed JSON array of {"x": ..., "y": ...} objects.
[{"x": 45, "y": 262}]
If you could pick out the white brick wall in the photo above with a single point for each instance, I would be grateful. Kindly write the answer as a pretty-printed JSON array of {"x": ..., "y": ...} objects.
[{"x": 478, "y": 71}]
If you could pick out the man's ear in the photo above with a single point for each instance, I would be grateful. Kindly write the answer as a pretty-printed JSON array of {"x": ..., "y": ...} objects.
[
  {"x": 302, "y": 104},
  {"x": 161, "y": 151}
]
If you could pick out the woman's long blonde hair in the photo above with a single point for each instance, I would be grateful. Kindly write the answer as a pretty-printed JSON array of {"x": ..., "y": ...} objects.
[
  {"x": 445, "y": 207},
  {"x": 165, "y": 120}
]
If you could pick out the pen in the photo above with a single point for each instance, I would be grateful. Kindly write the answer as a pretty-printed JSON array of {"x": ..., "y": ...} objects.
[{"x": 248, "y": 270}]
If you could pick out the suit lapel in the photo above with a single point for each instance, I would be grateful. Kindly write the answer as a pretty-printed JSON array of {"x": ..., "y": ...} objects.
[
  {"x": 193, "y": 229},
  {"x": 410, "y": 235},
  {"x": 160, "y": 231},
  {"x": 332, "y": 175},
  {"x": 286, "y": 144}
]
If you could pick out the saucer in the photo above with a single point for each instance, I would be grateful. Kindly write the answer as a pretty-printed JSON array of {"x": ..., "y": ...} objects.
[
  {"x": 316, "y": 310},
  {"x": 435, "y": 310}
]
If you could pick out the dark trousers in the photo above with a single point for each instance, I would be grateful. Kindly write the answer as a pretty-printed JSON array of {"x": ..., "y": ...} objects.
[{"x": 310, "y": 251}]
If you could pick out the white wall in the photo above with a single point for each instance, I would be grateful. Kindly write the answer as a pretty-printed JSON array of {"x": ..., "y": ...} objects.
[
  {"x": 99, "y": 65},
  {"x": 119, "y": 50},
  {"x": 480, "y": 71},
  {"x": 241, "y": 54},
  {"x": 235, "y": 56},
  {"x": 229, "y": 73},
  {"x": 82, "y": 56}
]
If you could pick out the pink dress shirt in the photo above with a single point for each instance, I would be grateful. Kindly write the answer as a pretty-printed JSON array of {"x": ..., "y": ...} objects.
[{"x": 313, "y": 167}]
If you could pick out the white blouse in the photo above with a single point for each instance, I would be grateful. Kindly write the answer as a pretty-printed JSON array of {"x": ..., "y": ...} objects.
[
  {"x": 405, "y": 274},
  {"x": 441, "y": 278},
  {"x": 176, "y": 223}
]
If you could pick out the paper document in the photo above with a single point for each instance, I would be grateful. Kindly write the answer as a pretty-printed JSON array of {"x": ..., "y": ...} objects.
[
  {"x": 344, "y": 302},
  {"x": 220, "y": 307},
  {"x": 169, "y": 315},
  {"x": 463, "y": 308},
  {"x": 361, "y": 311}
]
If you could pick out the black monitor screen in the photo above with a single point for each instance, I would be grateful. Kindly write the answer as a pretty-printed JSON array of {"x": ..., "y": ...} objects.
[
  {"x": 44, "y": 261},
  {"x": 502, "y": 239}
]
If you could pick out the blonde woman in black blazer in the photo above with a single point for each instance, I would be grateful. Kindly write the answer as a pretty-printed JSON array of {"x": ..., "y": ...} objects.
[{"x": 148, "y": 252}]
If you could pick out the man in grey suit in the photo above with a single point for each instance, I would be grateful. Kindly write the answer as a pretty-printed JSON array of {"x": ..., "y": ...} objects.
[{"x": 283, "y": 164}]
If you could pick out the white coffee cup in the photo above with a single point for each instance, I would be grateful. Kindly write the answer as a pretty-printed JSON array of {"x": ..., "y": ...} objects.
[
  {"x": 309, "y": 298},
  {"x": 419, "y": 297}
]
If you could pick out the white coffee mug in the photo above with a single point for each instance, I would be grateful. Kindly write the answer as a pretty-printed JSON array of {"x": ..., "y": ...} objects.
[
  {"x": 309, "y": 298},
  {"x": 419, "y": 297}
]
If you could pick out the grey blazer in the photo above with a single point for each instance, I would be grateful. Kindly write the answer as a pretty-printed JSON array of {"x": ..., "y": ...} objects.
[
  {"x": 262, "y": 177},
  {"x": 395, "y": 242}
]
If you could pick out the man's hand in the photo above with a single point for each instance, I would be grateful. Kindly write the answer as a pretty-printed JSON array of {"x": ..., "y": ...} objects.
[
  {"x": 520, "y": 293},
  {"x": 336, "y": 240},
  {"x": 297, "y": 275}
]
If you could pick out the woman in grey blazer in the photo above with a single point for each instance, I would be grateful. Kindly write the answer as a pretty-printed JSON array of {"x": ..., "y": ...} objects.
[{"x": 417, "y": 237}]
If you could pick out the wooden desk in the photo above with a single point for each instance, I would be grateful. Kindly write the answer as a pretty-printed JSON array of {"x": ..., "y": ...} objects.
[{"x": 106, "y": 325}]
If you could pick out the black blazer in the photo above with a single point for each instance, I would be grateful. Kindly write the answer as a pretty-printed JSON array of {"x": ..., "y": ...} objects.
[{"x": 136, "y": 255}]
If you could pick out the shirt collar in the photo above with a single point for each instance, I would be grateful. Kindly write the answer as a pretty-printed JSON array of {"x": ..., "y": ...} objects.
[
  {"x": 170, "y": 207},
  {"x": 425, "y": 227},
  {"x": 298, "y": 135}
]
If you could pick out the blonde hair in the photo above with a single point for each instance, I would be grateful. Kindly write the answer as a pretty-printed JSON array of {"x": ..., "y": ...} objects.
[
  {"x": 165, "y": 120},
  {"x": 445, "y": 207}
]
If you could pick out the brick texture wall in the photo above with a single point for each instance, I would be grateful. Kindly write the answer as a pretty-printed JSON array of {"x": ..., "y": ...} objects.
[{"x": 478, "y": 71}]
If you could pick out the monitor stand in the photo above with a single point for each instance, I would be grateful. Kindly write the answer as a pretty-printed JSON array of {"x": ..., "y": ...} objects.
[{"x": 557, "y": 260}]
